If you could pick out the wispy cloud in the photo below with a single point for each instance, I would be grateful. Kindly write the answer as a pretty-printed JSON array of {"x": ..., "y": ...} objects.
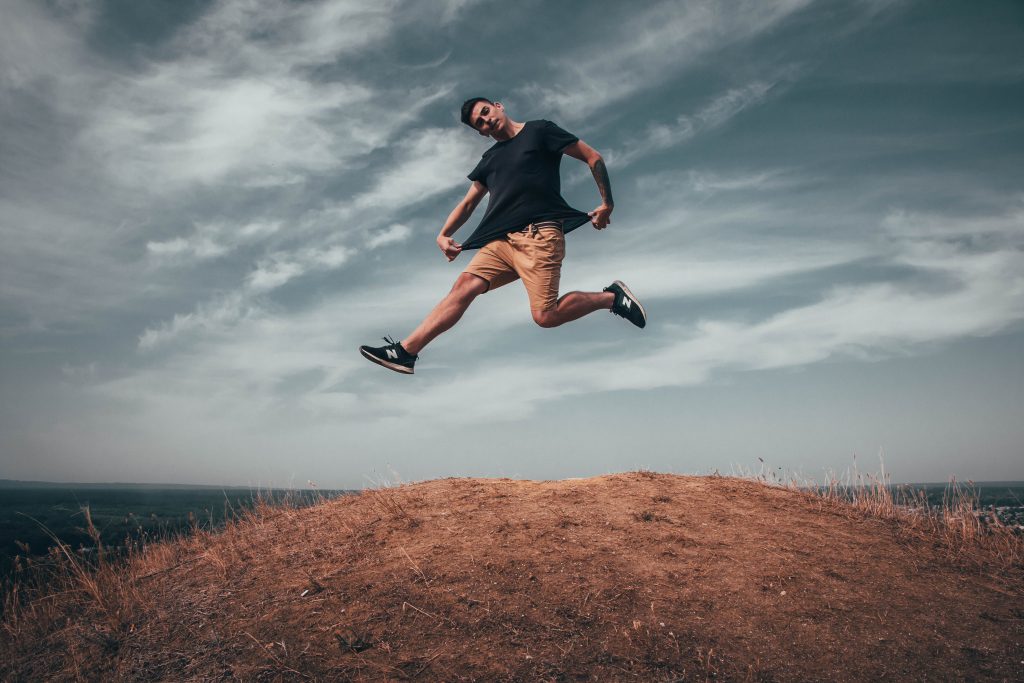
[
  {"x": 984, "y": 294},
  {"x": 396, "y": 232},
  {"x": 234, "y": 104},
  {"x": 432, "y": 162},
  {"x": 202, "y": 220},
  {"x": 210, "y": 240},
  {"x": 979, "y": 294},
  {"x": 241, "y": 101},
  {"x": 650, "y": 48},
  {"x": 277, "y": 269},
  {"x": 659, "y": 137},
  {"x": 999, "y": 228},
  {"x": 212, "y": 316}
]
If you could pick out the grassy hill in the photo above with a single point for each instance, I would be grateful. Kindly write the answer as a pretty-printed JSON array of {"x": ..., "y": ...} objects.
[{"x": 637, "y": 576}]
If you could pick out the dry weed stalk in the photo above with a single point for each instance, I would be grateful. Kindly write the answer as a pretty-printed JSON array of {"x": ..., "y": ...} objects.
[
  {"x": 67, "y": 581},
  {"x": 386, "y": 501},
  {"x": 104, "y": 593},
  {"x": 958, "y": 523}
]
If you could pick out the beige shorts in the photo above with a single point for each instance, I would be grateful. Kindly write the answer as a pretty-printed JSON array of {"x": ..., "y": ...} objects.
[{"x": 534, "y": 255}]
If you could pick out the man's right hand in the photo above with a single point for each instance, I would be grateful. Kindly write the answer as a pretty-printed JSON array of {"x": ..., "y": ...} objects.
[{"x": 449, "y": 247}]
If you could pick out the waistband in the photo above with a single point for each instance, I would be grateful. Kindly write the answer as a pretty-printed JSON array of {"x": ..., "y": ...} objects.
[{"x": 532, "y": 228}]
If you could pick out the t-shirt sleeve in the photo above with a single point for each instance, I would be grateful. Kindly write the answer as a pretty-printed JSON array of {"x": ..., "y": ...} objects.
[
  {"x": 556, "y": 139},
  {"x": 478, "y": 174}
]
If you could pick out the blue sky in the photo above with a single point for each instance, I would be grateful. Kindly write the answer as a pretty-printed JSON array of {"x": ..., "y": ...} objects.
[{"x": 205, "y": 207}]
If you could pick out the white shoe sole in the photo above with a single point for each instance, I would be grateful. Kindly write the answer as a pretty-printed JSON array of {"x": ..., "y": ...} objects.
[
  {"x": 636, "y": 301},
  {"x": 390, "y": 366}
]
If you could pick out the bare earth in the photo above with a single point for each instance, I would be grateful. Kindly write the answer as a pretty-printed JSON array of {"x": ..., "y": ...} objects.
[{"x": 628, "y": 577}]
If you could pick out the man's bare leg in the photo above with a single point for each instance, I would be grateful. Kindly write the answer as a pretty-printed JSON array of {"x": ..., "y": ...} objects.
[
  {"x": 466, "y": 288},
  {"x": 572, "y": 306}
]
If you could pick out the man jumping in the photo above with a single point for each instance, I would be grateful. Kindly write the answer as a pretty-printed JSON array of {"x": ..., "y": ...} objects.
[{"x": 522, "y": 234}]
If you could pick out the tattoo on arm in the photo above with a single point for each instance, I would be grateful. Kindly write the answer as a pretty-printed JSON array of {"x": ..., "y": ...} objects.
[{"x": 604, "y": 185}]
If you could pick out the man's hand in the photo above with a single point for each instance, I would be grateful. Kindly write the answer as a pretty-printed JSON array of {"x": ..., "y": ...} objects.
[
  {"x": 449, "y": 247},
  {"x": 601, "y": 216}
]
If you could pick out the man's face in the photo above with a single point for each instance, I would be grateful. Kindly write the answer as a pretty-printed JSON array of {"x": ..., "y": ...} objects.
[{"x": 488, "y": 117}]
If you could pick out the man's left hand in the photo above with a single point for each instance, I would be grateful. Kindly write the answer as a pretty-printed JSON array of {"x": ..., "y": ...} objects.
[{"x": 601, "y": 216}]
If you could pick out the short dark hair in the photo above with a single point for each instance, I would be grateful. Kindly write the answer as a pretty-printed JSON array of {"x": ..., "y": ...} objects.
[{"x": 467, "y": 109}]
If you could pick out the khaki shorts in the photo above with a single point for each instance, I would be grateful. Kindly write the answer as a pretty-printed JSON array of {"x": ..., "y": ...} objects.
[{"x": 534, "y": 254}]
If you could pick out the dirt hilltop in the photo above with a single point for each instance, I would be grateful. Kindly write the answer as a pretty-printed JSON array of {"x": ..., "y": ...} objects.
[{"x": 627, "y": 577}]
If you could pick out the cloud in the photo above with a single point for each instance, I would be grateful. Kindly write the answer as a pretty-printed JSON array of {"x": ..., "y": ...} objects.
[
  {"x": 1008, "y": 226},
  {"x": 231, "y": 106},
  {"x": 34, "y": 46},
  {"x": 959, "y": 292},
  {"x": 241, "y": 370},
  {"x": 189, "y": 124},
  {"x": 210, "y": 316},
  {"x": 660, "y": 137},
  {"x": 223, "y": 312},
  {"x": 651, "y": 47},
  {"x": 716, "y": 268},
  {"x": 204, "y": 119},
  {"x": 238, "y": 356},
  {"x": 877, "y": 319},
  {"x": 432, "y": 162},
  {"x": 210, "y": 240},
  {"x": 79, "y": 373},
  {"x": 454, "y": 8},
  {"x": 233, "y": 98},
  {"x": 242, "y": 201},
  {"x": 272, "y": 38},
  {"x": 277, "y": 269},
  {"x": 712, "y": 183},
  {"x": 59, "y": 266},
  {"x": 397, "y": 232}
]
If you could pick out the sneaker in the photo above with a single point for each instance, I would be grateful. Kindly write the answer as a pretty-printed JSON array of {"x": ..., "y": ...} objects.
[
  {"x": 393, "y": 356},
  {"x": 626, "y": 304}
]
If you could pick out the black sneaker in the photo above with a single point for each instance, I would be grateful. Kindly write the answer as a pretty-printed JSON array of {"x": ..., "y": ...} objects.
[
  {"x": 626, "y": 304},
  {"x": 393, "y": 356}
]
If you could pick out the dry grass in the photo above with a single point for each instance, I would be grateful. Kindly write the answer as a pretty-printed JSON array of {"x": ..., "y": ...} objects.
[
  {"x": 962, "y": 527},
  {"x": 112, "y": 587},
  {"x": 460, "y": 560},
  {"x": 969, "y": 534}
]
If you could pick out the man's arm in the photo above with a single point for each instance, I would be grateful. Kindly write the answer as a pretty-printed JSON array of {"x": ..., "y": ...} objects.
[
  {"x": 602, "y": 215},
  {"x": 459, "y": 215}
]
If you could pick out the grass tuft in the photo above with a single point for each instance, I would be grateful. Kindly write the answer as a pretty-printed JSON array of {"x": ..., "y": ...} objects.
[{"x": 969, "y": 534}]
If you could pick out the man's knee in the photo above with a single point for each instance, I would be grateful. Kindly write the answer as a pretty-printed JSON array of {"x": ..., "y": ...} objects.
[
  {"x": 468, "y": 287},
  {"x": 546, "y": 318}
]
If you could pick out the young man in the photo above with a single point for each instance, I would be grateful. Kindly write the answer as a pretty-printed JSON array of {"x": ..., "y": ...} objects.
[{"x": 522, "y": 232}]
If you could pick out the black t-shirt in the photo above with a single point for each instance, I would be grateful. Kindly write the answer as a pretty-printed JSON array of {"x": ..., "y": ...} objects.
[{"x": 521, "y": 175}]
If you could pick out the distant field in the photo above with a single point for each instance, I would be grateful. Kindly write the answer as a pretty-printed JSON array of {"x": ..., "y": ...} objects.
[{"x": 119, "y": 512}]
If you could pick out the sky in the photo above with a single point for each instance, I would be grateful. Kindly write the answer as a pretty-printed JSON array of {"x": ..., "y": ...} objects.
[{"x": 206, "y": 206}]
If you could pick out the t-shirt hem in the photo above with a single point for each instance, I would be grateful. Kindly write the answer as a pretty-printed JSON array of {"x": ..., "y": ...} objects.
[{"x": 569, "y": 223}]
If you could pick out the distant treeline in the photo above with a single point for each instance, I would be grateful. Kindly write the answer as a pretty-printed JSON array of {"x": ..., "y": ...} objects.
[{"x": 986, "y": 494}]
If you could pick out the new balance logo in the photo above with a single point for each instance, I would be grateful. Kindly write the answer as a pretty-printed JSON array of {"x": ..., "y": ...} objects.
[
  {"x": 626, "y": 303},
  {"x": 392, "y": 354}
]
